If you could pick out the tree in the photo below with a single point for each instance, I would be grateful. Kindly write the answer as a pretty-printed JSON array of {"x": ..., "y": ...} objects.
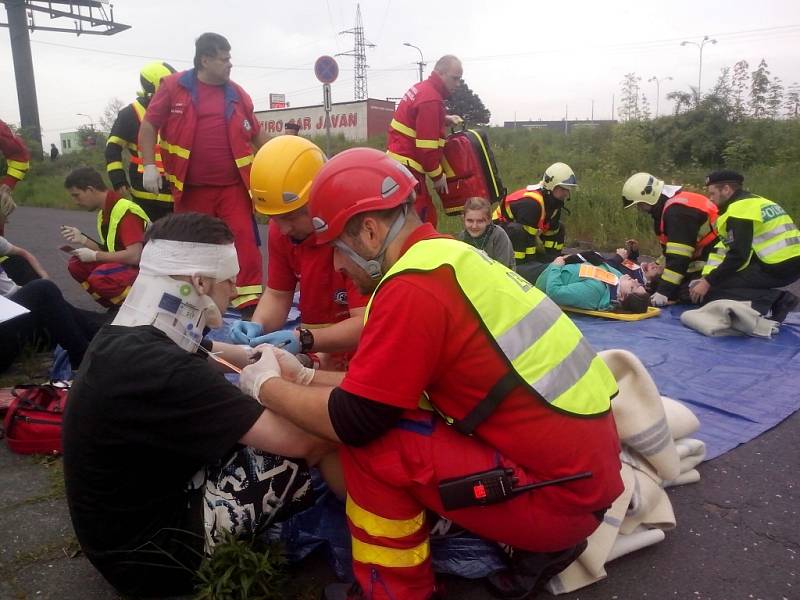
[
  {"x": 723, "y": 91},
  {"x": 775, "y": 98},
  {"x": 759, "y": 90},
  {"x": 791, "y": 105},
  {"x": 468, "y": 105},
  {"x": 682, "y": 100},
  {"x": 110, "y": 114},
  {"x": 739, "y": 83},
  {"x": 644, "y": 109},
  {"x": 629, "y": 103}
]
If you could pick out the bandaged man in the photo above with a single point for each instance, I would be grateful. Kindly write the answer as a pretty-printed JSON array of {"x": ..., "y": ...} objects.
[{"x": 161, "y": 452}]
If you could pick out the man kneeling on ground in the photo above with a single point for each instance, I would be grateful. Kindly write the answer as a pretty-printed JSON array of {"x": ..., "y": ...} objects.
[{"x": 153, "y": 467}]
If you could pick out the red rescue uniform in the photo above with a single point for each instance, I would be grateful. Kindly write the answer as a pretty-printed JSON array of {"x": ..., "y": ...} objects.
[
  {"x": 422, "y": 335},
  {"x": 109, "y": 282},
  {"x": 416, "y": 137},
  {"x": 205, "y": 133},
  {"x": 326, "y": 295},
  {"x": 17, "y": 158}
]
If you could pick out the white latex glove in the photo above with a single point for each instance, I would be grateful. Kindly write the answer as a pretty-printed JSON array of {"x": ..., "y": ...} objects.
[
  {"x": 7, "y": 204},
  {"x": 253, "y": 376},
  {"x": 453, "y": 120},
  {"x": 85, "y": 254},
  {"x": 291, "y": 368},
  {"x": 658, "y": 299},
  {"x": 151, "y": 179},
  {"x": 441, "y": 184},
  {"x": 73, "y": 234},
  {"x": 622, "y": 252}
]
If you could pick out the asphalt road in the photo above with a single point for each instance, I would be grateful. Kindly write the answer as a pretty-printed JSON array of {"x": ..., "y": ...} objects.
[{"x": 738, "y": 532}]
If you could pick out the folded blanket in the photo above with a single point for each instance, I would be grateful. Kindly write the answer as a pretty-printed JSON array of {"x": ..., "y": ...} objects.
[
  {"x": 655, "y": 453},
  {"x": 729, "y": 317}
]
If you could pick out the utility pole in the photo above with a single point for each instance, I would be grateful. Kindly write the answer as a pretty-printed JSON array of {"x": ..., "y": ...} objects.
[
  {"x": 703, "y": 42},
  {"x": 359, "y": 53},
  {"x": 658, "y": 88},
  {"x": 21, "y": 20},
  {"x": 421, "y": 62}
]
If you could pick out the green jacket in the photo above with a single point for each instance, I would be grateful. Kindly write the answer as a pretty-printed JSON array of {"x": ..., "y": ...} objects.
[{"x": 564, "y": 287}]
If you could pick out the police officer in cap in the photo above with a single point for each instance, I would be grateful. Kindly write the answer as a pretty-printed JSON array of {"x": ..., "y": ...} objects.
[{"x": 758, "y": 251}]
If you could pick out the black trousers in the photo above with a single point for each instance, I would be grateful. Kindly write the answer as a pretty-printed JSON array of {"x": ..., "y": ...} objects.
[
  {"x": 753, "y": 284},
  {"x": 52, "y": 320}
]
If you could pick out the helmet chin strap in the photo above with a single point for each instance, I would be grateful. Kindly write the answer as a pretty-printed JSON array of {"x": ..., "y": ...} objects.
[{"x": 373, "y": 266}]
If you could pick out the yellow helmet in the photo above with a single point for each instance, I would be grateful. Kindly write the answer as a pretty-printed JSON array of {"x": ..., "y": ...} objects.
[
  {"x": 559, "y": 174},
  {"x": 642, "y": 187},
  {"x": 282, "y": 171},
  {"x": 151, "y": 75}
]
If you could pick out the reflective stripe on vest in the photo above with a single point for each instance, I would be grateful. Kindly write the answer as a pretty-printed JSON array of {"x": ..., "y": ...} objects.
[
  {"x": 542, "y": 346},
  {"x": 704, "y": 205},
  {"x": 140, "y": 110},
  {"x": 506, "y": 214},
  {"x": 16, "y": 168},
  {"x": 775, "y": 236},
  {"x": 121, "y": 207}
]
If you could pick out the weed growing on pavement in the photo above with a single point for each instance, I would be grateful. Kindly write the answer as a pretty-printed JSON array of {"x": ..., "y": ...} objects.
[{"x": 242, "y": 569}]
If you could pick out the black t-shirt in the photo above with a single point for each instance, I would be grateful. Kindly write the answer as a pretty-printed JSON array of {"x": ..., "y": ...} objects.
[{"x": 142, "y": 418}]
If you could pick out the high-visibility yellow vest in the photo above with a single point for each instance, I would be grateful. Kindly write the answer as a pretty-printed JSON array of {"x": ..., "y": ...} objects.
[
  {"x": 775, "y": 236},
  {"x": 543, "y": 348},
  {"x": 121, "y": 207}
]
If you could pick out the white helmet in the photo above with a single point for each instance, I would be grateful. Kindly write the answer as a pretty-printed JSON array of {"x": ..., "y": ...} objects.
[
  {"x": 559, "y": 174},
  {"x": 641, "y": 187}
]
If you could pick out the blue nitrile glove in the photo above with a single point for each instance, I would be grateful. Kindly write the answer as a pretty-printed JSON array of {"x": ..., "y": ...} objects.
[
  {"x": 287, "y": 340},
  {"x": 243, "y": 332}
]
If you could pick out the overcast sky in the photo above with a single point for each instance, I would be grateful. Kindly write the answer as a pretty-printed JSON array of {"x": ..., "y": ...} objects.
[{"x": 530, "y": 59}]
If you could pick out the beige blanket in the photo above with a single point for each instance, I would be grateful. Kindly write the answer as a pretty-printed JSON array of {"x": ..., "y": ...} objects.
[
  {"x": 729, "y": 317},
  {"x": 657, "y": 452}
]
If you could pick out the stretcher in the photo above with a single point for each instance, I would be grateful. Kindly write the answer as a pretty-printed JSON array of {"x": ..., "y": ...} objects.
[{"x": 652, "y": 311}]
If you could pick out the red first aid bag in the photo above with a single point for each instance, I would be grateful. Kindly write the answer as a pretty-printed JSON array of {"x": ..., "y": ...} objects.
[
  {"x": 33, "y": 422},
  {"x": 470, "y": 169}
]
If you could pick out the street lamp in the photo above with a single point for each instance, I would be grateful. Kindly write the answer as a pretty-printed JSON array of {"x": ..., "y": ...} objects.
[
  {"x": 91, "y": 122},
  {"x": 421, "y": 62},
  {"x": 658, "y": 88},
  {"x": 704, "y": 41}
]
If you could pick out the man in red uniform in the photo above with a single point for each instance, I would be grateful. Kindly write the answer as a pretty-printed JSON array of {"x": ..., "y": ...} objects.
[
  {"x": 105, "y": 268},
  {"x": 683, "y": 222},
  {"x": 208, "y": 131},
  {"x": 416, "y": 133},
  {"x": 515, "y": 386},
  {"x": 17, "y": 164},
  {"x": 331, "y": 308}
]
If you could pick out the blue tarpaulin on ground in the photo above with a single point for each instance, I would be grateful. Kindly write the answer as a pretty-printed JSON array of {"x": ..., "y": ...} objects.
[{"x": 739, "y": 387}]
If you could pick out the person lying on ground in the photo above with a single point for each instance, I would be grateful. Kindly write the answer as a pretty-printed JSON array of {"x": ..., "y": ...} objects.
[
  {"x": 51, "y": 320},
  {"x": 162, "y": 454},
  {"x": 480, "y": 232},
  {"x": 592, "y": 287},
  {"x": 105, "y": 268}
]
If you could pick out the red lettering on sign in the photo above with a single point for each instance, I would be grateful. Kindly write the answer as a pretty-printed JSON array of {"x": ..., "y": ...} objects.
[
  {"x": 306, "y": 122},
  {"x": 352, "y": 120},
  {"x": 270, "y": 126}
]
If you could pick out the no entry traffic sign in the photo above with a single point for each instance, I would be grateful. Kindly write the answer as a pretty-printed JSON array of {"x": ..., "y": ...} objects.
[{"x": 326, "y": 69}]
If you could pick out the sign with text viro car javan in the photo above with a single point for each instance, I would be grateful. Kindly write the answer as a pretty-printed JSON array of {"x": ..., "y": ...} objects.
[{"x": 355, "y": 120}]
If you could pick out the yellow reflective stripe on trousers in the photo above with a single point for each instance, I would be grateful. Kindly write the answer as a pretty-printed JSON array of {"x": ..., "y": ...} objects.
[
  {"x": 143, "y": 195},
  {"x": 540, "y": 343},
  {"x": 404, "y": 129},
  {"x": 377, "y": 526},
  {"x": 115, "y": 139},
  {"x": 114, "y": 166},
  {"x": 371, "y": 554},
  {"x": 249, "y": 289},
  {"x": 174, "y": 181},
  {"x": 427, "y": 144},
  {"x": 404, "y": 160},
  {"x": 244, "y": 161},
  {"x": 679, "y": 249},
  {"x": 239, "y": 300},
  {"x": 671, "y": 276},
  {"x": 175, "y": 149}
]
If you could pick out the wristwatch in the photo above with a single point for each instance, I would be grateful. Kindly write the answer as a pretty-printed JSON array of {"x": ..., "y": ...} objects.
[{"x": 306, "y": 339}]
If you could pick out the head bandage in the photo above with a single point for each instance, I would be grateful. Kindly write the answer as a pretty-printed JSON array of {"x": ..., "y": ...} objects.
[
  {"x": 172, "y": 305},
  {"x": 166, "y": 258}
]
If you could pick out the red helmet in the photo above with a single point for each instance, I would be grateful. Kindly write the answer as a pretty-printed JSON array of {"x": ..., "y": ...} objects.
[{"x": 352, "y": 182}]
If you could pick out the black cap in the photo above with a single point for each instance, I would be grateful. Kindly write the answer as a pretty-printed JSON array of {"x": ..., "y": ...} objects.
[
  {"x": 292, "y": 126},
  {"x": 724, "y": 176}
]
